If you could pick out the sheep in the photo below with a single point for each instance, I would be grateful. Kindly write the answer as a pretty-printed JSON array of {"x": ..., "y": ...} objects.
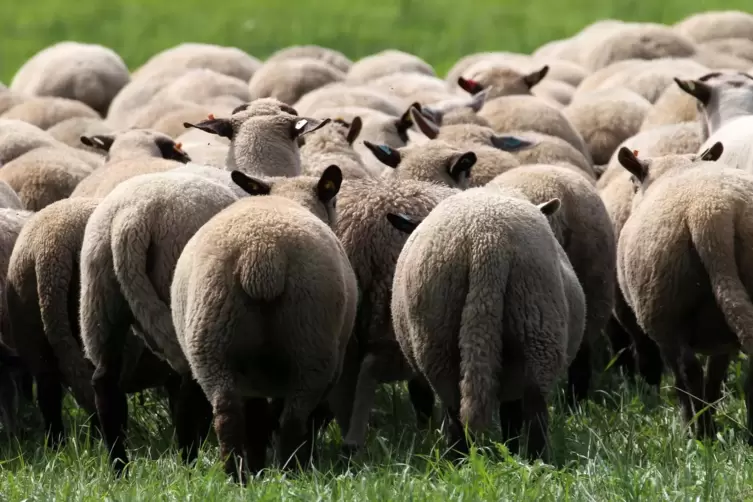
[
  {"x": 338, "y": 95},
  {"x": 45, "y": 112},
  {"x": 562, "y": 70},
  {"x": 553, "y": 91},
  {"x": 716, "y": 59},
  {"x": 201, "y": 86},
  {"x": 158, "y": 110},
  {"x": 311, "y": 318},
  {"x": 18, "y": 137},
  {"x": 229, "y": 61},
  {"x": 457, "y": 110},
  {"x": 726, "y": 105},
  {"x": 129, "y": 154},
  {"x": 463, "y": 64},
  {"x": 739, "y": 47},
  {"x": 330, "y": 56},
  {"x": 713, "y": 25},
  {"x": 12, "y": 373},
  {"x": 605, "y": 121},
  {"x": 528, "y": 113},
  {"x": 70, "y": 131},
  {"x": 574, "y": 48},
  {"x": 131, "y": 244},
  {"x": 171, "y": 123},
  {"x": 385, "y": 62},
  {"x": 413, "y": 87},
  {"x": 263, "y": 145},
  {"x": 89, "y": 73},
  {"x": 9, "y": 99},
  {"x": 637, "y": 41},
  {"x": 44, "y": 175},
  {"x": 332, "y": 144},
  {"x": 498, "y": 259},
  {"x": 9, "y": 198},
  {"x": 684, "y": 270},
  {"x": 504, "y": 81},
  {"x": 584, "y": 230},
  {"x": 673, "y": 106},
  {"x": 289, "y": 79},
  {"x": 545, "y": 149}
]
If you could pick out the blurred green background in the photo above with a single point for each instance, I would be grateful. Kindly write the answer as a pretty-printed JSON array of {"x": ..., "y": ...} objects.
[{"x": 440, "y": 31}]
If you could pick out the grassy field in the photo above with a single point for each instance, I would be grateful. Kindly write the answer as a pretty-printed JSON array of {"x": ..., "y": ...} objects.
[{"x": 626, "y": 444}]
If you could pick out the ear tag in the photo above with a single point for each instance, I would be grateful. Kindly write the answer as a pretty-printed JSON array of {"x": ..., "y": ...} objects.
[
  {"x": 328, "y": 185},
  {"x": 301, "y": 124},
  {"x": 385, "y": 149},
  {"x": 691, "y": 85},
  {"x": 210, "y": 116},
  {"x": 635, "y": 153}
]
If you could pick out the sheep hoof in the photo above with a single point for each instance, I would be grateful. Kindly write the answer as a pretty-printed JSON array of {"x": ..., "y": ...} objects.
[{"x": 348, "y": 450}]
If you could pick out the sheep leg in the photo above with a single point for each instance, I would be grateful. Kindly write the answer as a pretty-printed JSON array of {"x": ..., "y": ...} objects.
[
  {"x": 749, "y": 399},
  {"x": 422, "y": 399},
  {"x": 579, "y": 374},
  {"x": 258, "y": 432},
  {"x": 297, "y": 438},
  {"x": 511, "y": 423},
  {"x": 650, "y": 364},
  {"x": 50, "y": 399},
  {"x": 689, "y": 382},
  {"x": 716, "y": 372},
  {"x": 455, "y": 433},
  {"x": 229, "y": 423},
  {"x": 364, "y": 400},
  {"x": 622, "y": 346},
  {"x": 536, "y": 421},
  {"x": 190, "y": 410}
]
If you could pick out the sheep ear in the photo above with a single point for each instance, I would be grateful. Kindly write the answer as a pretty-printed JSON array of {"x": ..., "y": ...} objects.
[
  {"x": 635, "y": 166},
  {"x": 463, "y": 164},
  {"x": 535, "y": 77},
  {"x": 697, "y": 89},
  {"x": 100, "y": 141},
  {"x": 220, "y": 127},
  {"x": 354, "y": 130},
  {"x": 307, "y": 125},
  {"x": 386, "y": 155},
  {"x": 478, "y": 99},
  {"x": 402, "y": 222},
  {"x": 253, "y": 186},
  {"x": 329, "y": 183},
  {"x": 550, "y": 207},
  {"x": 712, "y": 154},
  {"x": 239, "y": 108},
  {"x": 425, "y": 125},
  {"x": 470, "y": 86},
  {"x": 510, "y": 143},
  {"x": 405, "y": 122}
]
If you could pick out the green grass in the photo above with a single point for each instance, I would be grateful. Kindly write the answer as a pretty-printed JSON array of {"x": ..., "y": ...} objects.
[
  {"x": 440, "y": 31},
  {"x": 626, "y": 444}
]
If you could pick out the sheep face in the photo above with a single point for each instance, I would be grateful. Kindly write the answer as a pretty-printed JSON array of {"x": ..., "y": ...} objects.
[
  {"x": 721, "y": 96},
  {"x": 434, "y": 161},
  {"x": 503, "y": 81},
  {"x": 317, "y": 195},
  {"x": 137, "y": 143}
]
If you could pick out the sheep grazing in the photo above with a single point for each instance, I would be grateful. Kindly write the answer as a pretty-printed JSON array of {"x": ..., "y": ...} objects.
[
  {"x": 44, "y": 175},
  {"x": 685, "y": 270},
  {"x": 333, "y": 144},
  {"x": 265, "y": 145},
  {"x": 305, "y": 301},
  {"x": 385, "y": 62},
  {"x": 726, "y": 105},
  {"x": 45, "y": 112},
  {"x": 713, "y": 25},
  {"x": 129, "y": 154},
  {"x": 460, "y": 310},
  {"x": 529, "y": 113},
  {"x": 229, "y": 61},
  {"x": 131, "y": 244},
  {"x": 503, "y": 81},
  {"x": 372, "y": 246},
  {"x": 289, "y": 79},
  {"x": 605, "y": 121},
  {"x": 584, "y": 230},
  {"x": 330, "y": 56},
  {"x": 89, "y": 73}
]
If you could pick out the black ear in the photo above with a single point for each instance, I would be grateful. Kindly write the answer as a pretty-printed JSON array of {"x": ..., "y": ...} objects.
[
  {"x": 535, "y": 77},
  {"x": 469, "y": 85},
  {"x": 550, "y": 207},
  {"x": 405, "y": 122},
  {"x": 712, "y": 154},
  {"x": 220, "y": 127},
  {"x": 306, "y": 125},
  {"x": 329, "y": 183},
  {"x": 385, "y": 154},
  {"x": 511, "y": 143},
  {"x": 424, "y": 123},
  {"x": 697, "y": 89},
  {"x": 463, "y": 164},
  {"x": 253, "y": 186},
  {"x": 172, "y": 151},
  {"x": 635, "y": 166},
  {"x": 402, "y": 222},
  {"x": 100, "y": 141},
  {"x": 239, "y": 108},
  {"x": 354, "y": 130},
  {"x": 478, "y": 99}
]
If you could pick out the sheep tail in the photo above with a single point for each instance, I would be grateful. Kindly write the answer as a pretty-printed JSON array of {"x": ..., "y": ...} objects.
[
  {"x": 480, "y": 340},
  {"x": 53, "y": 290},
  {"x": 130, "y": 241},
  {"x": 714, "y": 240}
]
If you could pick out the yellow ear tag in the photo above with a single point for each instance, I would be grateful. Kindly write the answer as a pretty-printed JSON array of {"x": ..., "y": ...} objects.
[
  {"x": 691, "y": 85},
  {"x": 328, "y": 185}
]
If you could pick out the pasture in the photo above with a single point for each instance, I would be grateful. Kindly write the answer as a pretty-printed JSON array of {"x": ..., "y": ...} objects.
[{"x": 625, "y": 443}]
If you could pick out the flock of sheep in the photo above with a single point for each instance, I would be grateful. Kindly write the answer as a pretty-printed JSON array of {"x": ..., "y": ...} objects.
[{"x": 271, "y": 241}]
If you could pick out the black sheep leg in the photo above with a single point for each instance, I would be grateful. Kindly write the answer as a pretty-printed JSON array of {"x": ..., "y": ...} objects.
[
  {"x": 229, "y": 423},
  {"x": 579, "y": 375},
  {"x": 258, "y": 432},
  {"x": 191, "y": 417},
  {"x": 50, "y": 399},
  {"x": 456, "y": 440},
  {"x": 422, "y": 399},
  {"x": 749, "y": 399},
  {"x": 716, "y": 373},
  {"x": 622, "y": 348},
  {"x": 511, "y": 423},
  {"x": 536, "y": 421}
]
